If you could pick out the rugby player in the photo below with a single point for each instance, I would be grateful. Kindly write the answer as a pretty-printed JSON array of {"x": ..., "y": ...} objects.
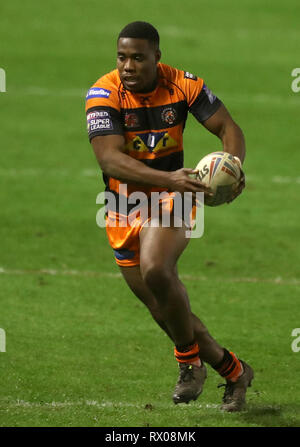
[{"x": 136, "y": 116}]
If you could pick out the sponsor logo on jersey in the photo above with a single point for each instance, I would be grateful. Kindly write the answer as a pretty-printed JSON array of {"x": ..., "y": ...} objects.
[
  {"x": 189, "y": 75},
  {"x": 99, "y": 120},
  {"x": 97, "y": 92},
  {"x": 210, "y": 95},
  {"x": 152, "y": 142},
  {"x": 169, "y": 115}
]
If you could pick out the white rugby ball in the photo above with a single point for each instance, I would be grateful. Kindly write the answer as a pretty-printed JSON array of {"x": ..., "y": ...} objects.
[{"x": 221, "y": 172}]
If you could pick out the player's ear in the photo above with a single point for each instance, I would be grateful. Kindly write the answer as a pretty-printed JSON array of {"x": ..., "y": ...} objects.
[{"x": 157, "y": 56}]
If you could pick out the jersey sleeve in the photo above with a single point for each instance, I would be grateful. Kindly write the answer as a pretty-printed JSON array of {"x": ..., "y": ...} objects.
[
  {"x": 103, "y": 110},
  {"x": 202, "y": 103}
]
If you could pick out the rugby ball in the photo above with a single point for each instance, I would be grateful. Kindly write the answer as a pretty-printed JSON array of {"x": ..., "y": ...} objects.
[{"x": 220, "y": 171}]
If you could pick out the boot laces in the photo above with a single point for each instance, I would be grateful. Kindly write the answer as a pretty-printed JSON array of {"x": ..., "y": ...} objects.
[{"x": 186, "y": 373}]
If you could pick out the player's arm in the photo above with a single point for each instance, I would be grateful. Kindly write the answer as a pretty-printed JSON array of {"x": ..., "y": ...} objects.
[
  {"x": 222, "y": 125},
  {"x": 213, "y": 115},
  {"x": 114, "y": 162}
]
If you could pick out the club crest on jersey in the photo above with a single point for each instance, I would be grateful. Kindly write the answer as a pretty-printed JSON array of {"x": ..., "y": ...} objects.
[
  {"x": 97, "y": 92},
  {"x": 169, "y": 115},
  {"x": 131, "y": 120}
]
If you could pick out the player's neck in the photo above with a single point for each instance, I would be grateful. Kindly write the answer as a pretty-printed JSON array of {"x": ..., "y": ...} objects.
[{"x": 151, "y": 87}]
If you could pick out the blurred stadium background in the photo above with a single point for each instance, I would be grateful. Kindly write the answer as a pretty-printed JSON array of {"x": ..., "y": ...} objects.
[{"x": 80, "y": 350}]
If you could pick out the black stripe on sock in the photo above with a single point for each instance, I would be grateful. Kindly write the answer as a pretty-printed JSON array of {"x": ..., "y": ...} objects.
[
  {"x": 187, "y": 357},
  {"x": 225, "y": 362},
  {"x": 185, "y": 348}
]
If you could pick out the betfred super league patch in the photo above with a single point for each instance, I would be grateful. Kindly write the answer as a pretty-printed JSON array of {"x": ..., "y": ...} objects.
[{"x": 99, "y": 121}]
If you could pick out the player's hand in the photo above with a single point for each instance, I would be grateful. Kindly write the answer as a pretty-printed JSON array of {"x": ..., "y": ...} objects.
[
  {"x": 241, "y": 185},
  {"x": 183, "y": 180}
]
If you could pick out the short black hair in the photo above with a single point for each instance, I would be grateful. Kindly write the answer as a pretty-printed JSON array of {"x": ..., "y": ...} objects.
[{"x": 141, "y": 30}]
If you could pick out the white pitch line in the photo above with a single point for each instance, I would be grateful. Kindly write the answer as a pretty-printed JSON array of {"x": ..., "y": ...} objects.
[
  {"x": 278, "y": 280},
  {"x": 54, "y": 272},
  {"x": 286, "y": 180},
  {"x": 44, "y": 91},
  {"x": 90, "y": 172},
  {"x": 35, "y": 172},
  {"x": 258, "y": 98},
  {"x": 94, "y": 403},
  {"x": 187, "y": 277},
  {"x": 251, "y": 32}
]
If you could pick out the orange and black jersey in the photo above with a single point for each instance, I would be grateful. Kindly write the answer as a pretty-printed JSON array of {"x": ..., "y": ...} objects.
[{"x": 152, "y": 123}]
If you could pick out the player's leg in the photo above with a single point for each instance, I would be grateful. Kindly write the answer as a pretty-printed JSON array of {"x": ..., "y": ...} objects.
[
  {"x": 134, "y": 280},
  {"x": 160, "y": 248},
  {"x": 237, "y": 373},
  {"x": 210, "y": 351}
]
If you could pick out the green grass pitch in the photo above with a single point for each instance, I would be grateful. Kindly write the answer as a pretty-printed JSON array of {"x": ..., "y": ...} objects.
[{"x": 80, "y": 349}]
